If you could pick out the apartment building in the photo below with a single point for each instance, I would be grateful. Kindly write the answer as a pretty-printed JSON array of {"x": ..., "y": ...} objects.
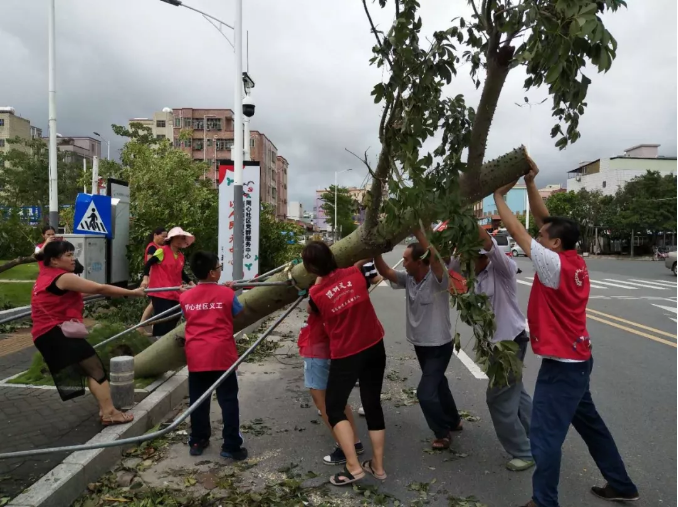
[
  {"x": 78, "y": 148},
  {"x": 161, "y": 125},
  {"x": 207, "y": 135},
  {"x": 610, "y": 174},
  {"x": 13, "y": 125}
]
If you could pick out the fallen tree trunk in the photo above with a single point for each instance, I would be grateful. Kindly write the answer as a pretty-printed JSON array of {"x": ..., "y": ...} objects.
[
  {"x": 167, "y": 353},
  {"x": 16, "y": 262}
]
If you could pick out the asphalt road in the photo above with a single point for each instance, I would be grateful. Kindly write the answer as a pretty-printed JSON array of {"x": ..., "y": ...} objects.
[
  {"x": 633, "y": 385},
  {"x": 632, "y": 314}
]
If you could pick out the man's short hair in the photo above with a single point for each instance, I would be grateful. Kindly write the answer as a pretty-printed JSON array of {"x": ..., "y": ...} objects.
[
  {"x": 564, "y": 229},
  {"x": 202, "y": 263},
  {"x": 419, "y": 253}
]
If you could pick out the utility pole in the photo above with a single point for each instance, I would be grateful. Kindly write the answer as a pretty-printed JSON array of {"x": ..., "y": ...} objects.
[
  {"x": 237, "y": 151},
  {"x": 53, "y": 180}
]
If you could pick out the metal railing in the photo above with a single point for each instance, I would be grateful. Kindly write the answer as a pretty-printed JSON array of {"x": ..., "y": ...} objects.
[{"x": 176, "y": 422}]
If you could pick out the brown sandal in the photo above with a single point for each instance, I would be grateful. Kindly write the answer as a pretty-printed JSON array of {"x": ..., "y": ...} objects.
[
  {"x": 367, "y": 466},
  {"x": 127, "y": 417},
  {"x": 440, "y": 444}
]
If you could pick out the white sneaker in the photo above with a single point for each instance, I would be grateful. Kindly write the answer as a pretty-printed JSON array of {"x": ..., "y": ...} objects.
[{"x": 361, "y": 411}]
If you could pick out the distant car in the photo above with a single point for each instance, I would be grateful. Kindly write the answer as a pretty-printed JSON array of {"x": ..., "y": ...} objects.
[
  {"x": 516, "y": 251},
  {"x": 670, "y": 262},
  {"x": 503, "y": 243}
]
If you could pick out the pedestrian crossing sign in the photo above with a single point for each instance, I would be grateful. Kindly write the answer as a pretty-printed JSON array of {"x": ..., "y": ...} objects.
[{"x": 93, "y": 215}]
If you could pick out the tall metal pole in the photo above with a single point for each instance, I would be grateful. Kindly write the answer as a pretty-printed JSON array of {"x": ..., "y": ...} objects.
[
  {"x": 108, "y": 154},
  {"x": 95, "y": 175},
  {"x": 246, "y": 140},
  {"x": 529, "y": 142},
  {"x": 335, "y": 205},
  {"x": 237, "y": 151},
  {"x": 53, "y": 182}
]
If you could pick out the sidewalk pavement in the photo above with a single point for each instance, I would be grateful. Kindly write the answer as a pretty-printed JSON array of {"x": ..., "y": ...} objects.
[{"x": 36, "y": 417}]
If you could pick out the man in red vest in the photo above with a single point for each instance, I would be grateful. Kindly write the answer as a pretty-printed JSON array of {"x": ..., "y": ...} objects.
[{"x": 556, "y": 315}]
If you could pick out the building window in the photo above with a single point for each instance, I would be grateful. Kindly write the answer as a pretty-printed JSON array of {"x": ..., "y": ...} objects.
[
  {"x": 187, "y": 143},
  {"x": 177, "y": 122},
  {"x": 214, "y": 124},
  {"x": 2, "y": 142},
  {"x": 604, "y": 184},
  {"x": 160, "y": 123},
  {"x": 197, "y": 145},
  {"x": 252, "y": 143},
  {"x": 209, "y": 143},
  {"x": 160, "y": 136},
  {"x": 177, "y": 143},
  {"x": 198, "y": 124},
  {"x": 188, "y": 122},
  {"x": 224, "y": 144},
  {"x": 2, "y": 122}
]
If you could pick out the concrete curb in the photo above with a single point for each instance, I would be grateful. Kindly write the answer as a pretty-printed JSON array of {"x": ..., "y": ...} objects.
[{"x": 67, "y": 481}]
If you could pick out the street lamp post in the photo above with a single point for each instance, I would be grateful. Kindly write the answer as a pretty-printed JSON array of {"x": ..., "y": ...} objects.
[
  {"x": 237, "y": 151},
  {"x": 108, "y": 144},
  {"x": 529, "y": 143},
  {"x": 336, "y": 214},
  {"x": 53, "y": 180}
]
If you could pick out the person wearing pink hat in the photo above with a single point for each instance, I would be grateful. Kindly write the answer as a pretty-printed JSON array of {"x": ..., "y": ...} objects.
[{"x": 166, "y": 269}]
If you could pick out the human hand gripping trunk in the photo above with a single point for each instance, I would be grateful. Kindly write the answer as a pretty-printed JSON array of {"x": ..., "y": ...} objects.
[
  {"x": 436, "y": 266},
  {"x": 385, "y": 270},
  {"x": 511, "y": 222},
  {"x": 537, "y": 206}
]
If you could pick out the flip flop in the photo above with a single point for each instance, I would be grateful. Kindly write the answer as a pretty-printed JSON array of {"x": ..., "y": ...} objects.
[
  {"x": 127, "y": 417},
  {"x": 345, "y": 477},
  {"x": 367, "y": 466}
]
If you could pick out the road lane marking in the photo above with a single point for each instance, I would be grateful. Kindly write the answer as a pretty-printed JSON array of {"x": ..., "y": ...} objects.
[
  {"x": 592, "y": 285},
  {"x": 663, "y": 283},
  {"x": 616, "y": 285},
  {"x": 636, "y": 284},
  {"x": 639, "y": 333},
  {"x": 524, "y": 283},
  {"x": 667, "y": 308},
  {"x": 470, "y": 365},
  {"x": 630, "y": 323}
]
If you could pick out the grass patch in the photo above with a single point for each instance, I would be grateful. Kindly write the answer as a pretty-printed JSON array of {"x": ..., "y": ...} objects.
[
  {"x": 129, "y": 345},
  {"x": 20, "y": 272},
  {"x": 13, "y": 295}
]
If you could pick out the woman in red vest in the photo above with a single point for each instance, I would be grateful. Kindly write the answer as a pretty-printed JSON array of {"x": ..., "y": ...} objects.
[
  {"x": 48, "y": 234},
  {"x": 57, "y": 299},
  {"x": 156, "y": 239},
  {"x": 357, "y": 353},
  {"x": 166, "y": 269}
]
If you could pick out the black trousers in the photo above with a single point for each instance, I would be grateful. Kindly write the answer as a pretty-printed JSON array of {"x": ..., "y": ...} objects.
[
  {"x": 161, "y": 305},
  {"x": 433, "y": 392},
  {"x": 227, "y": 396},
  {"x": 367, "y": 366}
]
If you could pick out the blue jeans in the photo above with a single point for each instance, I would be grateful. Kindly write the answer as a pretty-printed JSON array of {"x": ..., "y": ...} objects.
[
  {"x": 561, "y": 397},
  {"x": 227, "y": 396}
]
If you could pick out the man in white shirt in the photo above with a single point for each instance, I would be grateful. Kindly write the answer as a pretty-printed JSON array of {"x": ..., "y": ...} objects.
[
  {"x": 510, "y": 406},
  {"x": 556, "y": 314}
]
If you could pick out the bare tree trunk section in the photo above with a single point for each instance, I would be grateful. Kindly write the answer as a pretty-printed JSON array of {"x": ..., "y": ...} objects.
[
  {"x": 16, "y": 262},
  {"x": 167, "y": 353}
]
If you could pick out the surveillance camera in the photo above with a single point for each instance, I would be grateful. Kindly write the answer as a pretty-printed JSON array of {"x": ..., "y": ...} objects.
[{"x": 248, "y": 106}]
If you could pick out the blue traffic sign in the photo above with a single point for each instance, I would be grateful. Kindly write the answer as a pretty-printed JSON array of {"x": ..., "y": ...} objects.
[{"x": 93, "y": 215}]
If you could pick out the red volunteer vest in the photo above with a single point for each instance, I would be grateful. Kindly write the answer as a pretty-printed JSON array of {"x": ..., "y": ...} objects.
[
  {"x": 313, "y": 340},
  {"x": 208, "y": 309},
  {"x": 557, "y": 317},
  {"x": 348, "y": 314},
  {"x": 49, "y": 310},
  {"x": 167, "y": 274},
  {"x": 146, "y": 255}
]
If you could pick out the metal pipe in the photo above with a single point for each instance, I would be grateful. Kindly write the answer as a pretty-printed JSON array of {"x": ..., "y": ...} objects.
[
  {"x": 27, "y": 313},
  {"x": 141, "y": 324},
  {"x": 236, "y": 285},
  {"x": 237, "y": 156},
  {"x": 175, "y": 423}
]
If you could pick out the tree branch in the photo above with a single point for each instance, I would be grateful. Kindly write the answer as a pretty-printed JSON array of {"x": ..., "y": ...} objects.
[
  {"x": 376, "y": 35},
  {"x": 16, "y": 262}
]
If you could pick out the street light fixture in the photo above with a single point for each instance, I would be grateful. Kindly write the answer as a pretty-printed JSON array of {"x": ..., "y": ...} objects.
[
  {"x": 108, "y": 154},
  {"x": 337, "y": 173}
]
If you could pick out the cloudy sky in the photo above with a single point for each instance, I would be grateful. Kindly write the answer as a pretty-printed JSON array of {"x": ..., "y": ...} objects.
[{"x": 118, "y": 59}]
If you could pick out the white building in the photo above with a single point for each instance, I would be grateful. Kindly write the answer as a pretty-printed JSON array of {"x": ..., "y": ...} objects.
[
  {"x": 161, "y": 125},
  {"x": 609, "y": 174},
  {"x": 295, "y": 210}
]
